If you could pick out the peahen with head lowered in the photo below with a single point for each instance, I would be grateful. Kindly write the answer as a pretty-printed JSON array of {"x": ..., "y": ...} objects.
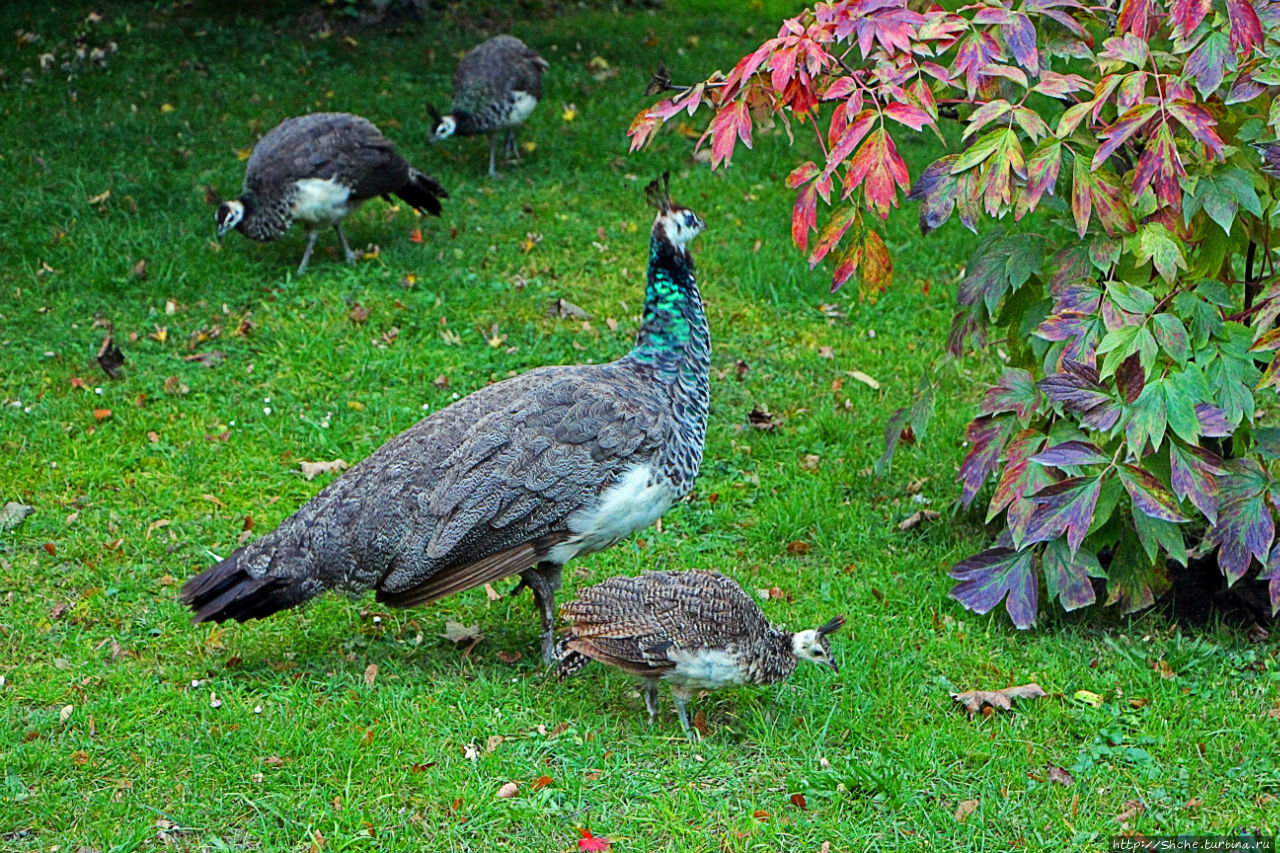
[
  {"x": 316, "y": 169},
  {"x": 517, "y": 478},
  {"x": 695, "y": 630}
]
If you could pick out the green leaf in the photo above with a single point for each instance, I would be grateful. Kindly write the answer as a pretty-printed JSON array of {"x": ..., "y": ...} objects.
[
  {"x": 1171, "y": 335},
  {"x": 1146, "y": 418},
  {"x": 1130, "y": 297},
  {"x": 1155, "y": 533},
  {"x": 1181, "y": 393},
  {"x": 1133, "y": 579},
  {"x": 981, "y": 150},
  {"x": 1156, "y": 244},
  {"x": 1066, "y": 575}
]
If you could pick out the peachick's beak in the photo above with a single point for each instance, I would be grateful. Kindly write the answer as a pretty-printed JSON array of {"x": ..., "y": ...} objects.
[{"x": 835, "y": 667}]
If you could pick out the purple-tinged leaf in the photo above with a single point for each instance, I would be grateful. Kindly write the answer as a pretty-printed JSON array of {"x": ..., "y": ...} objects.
[
  {"x": 1130, "y": 48},
  {"x": 1072, "y": 453},
  {"x": 1042, "y": 171},
  {"x": 1130, "y": 378},
  {"x": 935, "y": 189},
  {"x": 1160, "y": 167},
  {"x": 987, "y": 437},
  {"x": 1246, "y": 29},
  {"x": 1271, "y": 573},
  {"x": 1071, "y": 118},
  {"x": 1245, "y": 528},
  {"x": 1245, "y": 88},
  {"x": 1008, "y": 72},
  {"x": 1020, "y": 479},
  {"x": 1193, "y": 480},
  {"x": 987, "y": 578},
  {"x": 984, "y": 115},
  {"x": 1187, "y": 15},
  {"x": 1267, "y": 341},
  {"x": 1031, "y": 123},
  {"x": 1020, "y": 36},
  {"x": 1015, "y": 392},
  {"x": 1059, "y": 86},
  {"x": 1119, "y": 133},
  {"x": 892, "y": 435},
  {"x": 1149, "y": 495},
  {"x": 1213, "y": 421},
  {"x": 1199, "y": 124},
  {"x": 1065, "y": 507},
  {"x": 1077, "y": 390},
  {"x": 1066, "y": 575},
  {"x": 908, "y": 114},
  {"x": 976, "y": 51},
  {"x": 1208, "y": 63}
]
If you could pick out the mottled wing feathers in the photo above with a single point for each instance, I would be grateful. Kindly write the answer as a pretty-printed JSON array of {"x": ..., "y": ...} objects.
[
  {"x": 495, "y": 68},
  {"x": 635, "y": 622},
  {"x": 467, "y": 495},
  {"x": 327, "y": 146}
]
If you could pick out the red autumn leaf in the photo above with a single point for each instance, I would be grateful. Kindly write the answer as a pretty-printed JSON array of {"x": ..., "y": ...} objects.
[
  {"x": 51, "y": 549},
  {"x": 852, "y": 134},
  {"x": 876, "y": 168},
  {"x": 1187, "y": 15},
  {"x": 730, "y": 125},
  {"x": 1246, "y": 29},
  {"x": 1160, "y": 166},
  {"x": 1199, "y": 124},
  {"x": 798, "y": 801},
  {"x": 415, "y": 236},
  {"x": 589, "y": 842},
  {"x": 804, "y": 216},
  {"x": 540, "y": 783},
  {"x": 912, "y": 116},
  {"x": 1120, "y": 132},
  {"x": 845, "y": 217}
]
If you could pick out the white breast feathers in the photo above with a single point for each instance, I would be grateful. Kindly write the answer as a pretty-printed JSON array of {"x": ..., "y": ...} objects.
[
  {"x": 317, "y": 202},
  {"x": 631, "y": 504}
]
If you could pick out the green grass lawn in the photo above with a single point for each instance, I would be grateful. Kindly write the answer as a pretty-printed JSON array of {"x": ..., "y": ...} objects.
[{"x": 111, "y": 736}]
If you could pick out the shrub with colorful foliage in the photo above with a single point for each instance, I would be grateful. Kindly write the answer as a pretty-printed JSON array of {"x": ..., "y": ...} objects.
[{"x": 1136, "y": 307}]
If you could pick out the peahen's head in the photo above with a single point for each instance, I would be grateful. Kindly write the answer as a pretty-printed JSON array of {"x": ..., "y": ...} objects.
[
  {"x": 813, "y": 644},
  {"x": 442, "y": 127},
  {"x": 230, "y": 214},
  {"x": 678, "y": 224}
]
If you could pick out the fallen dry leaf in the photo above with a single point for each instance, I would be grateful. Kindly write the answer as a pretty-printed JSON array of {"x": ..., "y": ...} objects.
[
  {"x": 865, "y": 379},
  {"x": 109, "y": 356},
  {"x": 508, "y": 791},
  {"x": 370, "y": 673},
  {"x": 965, "y": 809},
  {"x": 798, "y": 801},
  {"x": 358, "y": 314},
  {"x": 798, "y": 547},
  {"x": 13, "y": 514},
  {"x": 1060, "y": 776},
  {"x": 456, "y": 632},
  {"x": 810, "y": 461},
  {"x": 566, "y": 310},
  {"x": 826, "y": 352},
  {"x": 101, "y": 414},
  {"x": 311, "y": 470},
  {"x": 975, "y": 700},
  {"x": 1132, "y": 808},
  {"x": 540, "y": 783},
  {"x": 760, "y": 418},
  {"x": 741, "y": 369},
  {"x": 700, "y": 723},
  {"x": 589, "y": 842},
  {"x": 207, "y": 359},
  {"x": 918, "y": 518}
]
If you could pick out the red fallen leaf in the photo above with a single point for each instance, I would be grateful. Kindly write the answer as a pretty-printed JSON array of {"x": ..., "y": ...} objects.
[
  {"x": 101, "y": 414},
  {"x": 798, "y": 801},
  {"x": 77, "y": 382},
  {"x": 51, "y": 548},
  {"x": 798, "y": 547},
  {"x": 590, "y": 842},
  {"x": 415, "y": 236},
  {"x": 540, "y": 782},
  {"x": 700, "y": 723},
  {"x": 509, "y": 657},
  {"x": 421, "y": 768},
  {"x": 760, "y": 814}
]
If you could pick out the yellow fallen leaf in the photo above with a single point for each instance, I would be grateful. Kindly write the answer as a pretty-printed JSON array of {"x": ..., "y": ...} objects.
[
  {"x": 311, "y": 470},
  {"x": 1093, "y": 700},
  {"x": 570, "y": 112},
  {"x": 865, "y": 379},
  {"x": 167, "y": 108},
  {"x": 355, "y": 405},
  {"x": 529, "y": 147},
  {"x": 243, "y": 154}
]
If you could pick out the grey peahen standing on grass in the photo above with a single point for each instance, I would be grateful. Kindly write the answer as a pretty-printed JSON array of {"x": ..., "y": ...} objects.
[
  {"x": 316, "y": 169},
  {"x": 695, "y": 630},
  {"x": 496, "y": 87},
  {"x": 518, "y": 477}
]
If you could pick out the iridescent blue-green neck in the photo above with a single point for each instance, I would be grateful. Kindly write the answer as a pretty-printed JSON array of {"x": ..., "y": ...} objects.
[{"x": 673, "y": 333}]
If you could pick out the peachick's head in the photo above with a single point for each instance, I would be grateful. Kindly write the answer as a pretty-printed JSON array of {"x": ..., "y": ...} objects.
[
  {"x": 813, "y": 644},
  {"x": 230, "y": 214},
  {"x": 442, "y": 127},
  {"x": 678, "y": 224}
]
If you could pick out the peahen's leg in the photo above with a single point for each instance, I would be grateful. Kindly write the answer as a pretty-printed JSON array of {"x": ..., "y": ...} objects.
[
  {"x": 306, "y": 255},
  {"x": 682, "y": 696},
  {"x": 543, "y": 580},
  {"x": 352, "y": 257},
  {"x": 651, "y": 698}
]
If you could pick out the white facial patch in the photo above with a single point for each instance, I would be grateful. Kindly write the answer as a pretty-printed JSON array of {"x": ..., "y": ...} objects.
[
  {"x": 681, "y": 226},
  {"x": 234, "y": 213},
  {"x": 444, "y": 129},
  {"x": 803, "y": 642}
]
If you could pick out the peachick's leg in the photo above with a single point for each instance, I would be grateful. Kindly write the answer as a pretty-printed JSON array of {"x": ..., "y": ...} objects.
[
  {"x": 306, "y": 255},
  {"x": 352, "y": 257},
  {"x": 543, "y": 580},
  {"x": 513, "y": 152},
  {"x": 493, "y": 153},
  {"x": 651, "y": 699},
  {"x": 682, "y": 696}
]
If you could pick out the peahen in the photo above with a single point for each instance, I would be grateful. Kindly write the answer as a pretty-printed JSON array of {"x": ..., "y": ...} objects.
[{"x": 518, "y": 477}]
